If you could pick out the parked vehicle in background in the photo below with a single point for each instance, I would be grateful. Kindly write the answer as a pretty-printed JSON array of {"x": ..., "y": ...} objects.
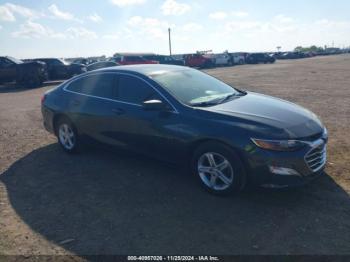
[
  {"x": 238, "y": 58},
  {"x": 223, "y": 59},
  {"x": 102, "y": 64},
  {"x": 198, "y": 60},
  {"x": 27, "y": 74},
  {"x": 277, "y": 55},
  {"x": 164, "y": 59},
  {"x": 292, "y": 55},
  {"x": 132, "y": 60},
  {"x": 257, "y": 58},
  {"x": 82, "y": 61},
  {"x": 60, "y": 69}
]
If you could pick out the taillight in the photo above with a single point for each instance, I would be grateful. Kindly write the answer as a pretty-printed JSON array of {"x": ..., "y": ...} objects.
[{"x": 43, "y": 98}]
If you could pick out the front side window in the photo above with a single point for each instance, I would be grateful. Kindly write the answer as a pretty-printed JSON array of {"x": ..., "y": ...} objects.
[
  {"x": 193, "y": 87},
  {"x": 100, "y": 85},
  {"x": 134, "y": 90}
]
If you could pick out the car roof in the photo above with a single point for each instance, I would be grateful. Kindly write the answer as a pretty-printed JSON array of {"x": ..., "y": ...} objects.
[{"x": 145, "y": 69}]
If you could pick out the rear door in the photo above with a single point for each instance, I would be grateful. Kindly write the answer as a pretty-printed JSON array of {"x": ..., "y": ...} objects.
[{"x": 91, "y": 105}]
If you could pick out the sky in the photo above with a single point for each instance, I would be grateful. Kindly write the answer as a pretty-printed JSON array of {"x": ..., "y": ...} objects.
[{"x": 72, "y": 28}]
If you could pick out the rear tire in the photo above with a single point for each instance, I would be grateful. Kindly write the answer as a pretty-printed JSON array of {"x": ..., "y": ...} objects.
[
  {"x": 218, "y": 169},
  {"x": 67, "y": 135}
]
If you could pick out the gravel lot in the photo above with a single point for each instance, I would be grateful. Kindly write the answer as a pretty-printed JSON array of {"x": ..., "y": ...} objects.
[{"x": 104, "y": 202}]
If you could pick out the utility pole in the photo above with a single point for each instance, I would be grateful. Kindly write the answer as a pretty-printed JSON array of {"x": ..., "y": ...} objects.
[{"x": 169, "y": 30}]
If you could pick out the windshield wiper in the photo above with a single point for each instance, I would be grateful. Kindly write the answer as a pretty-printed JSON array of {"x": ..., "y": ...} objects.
[
  {"x": 228, "y": 97},
  {"x": 206, "y": 103},
  {"x": 219, "y": 100}
]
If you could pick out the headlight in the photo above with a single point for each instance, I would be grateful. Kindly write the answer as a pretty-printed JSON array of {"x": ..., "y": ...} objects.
[
  {"x": 279, "y": 145},
  {"x": 325, "y": 134}
]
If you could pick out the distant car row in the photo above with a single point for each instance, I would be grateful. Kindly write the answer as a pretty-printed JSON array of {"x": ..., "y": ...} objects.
[{"x": 33, "y": 72}]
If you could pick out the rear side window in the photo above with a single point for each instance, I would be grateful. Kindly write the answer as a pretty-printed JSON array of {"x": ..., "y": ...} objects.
[
  {"x": 101, "y": 85},
  {"x": 134, "y": 90}
]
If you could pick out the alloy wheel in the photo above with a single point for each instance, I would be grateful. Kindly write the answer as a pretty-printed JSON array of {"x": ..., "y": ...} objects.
[
  {"x": 66, "y": 136},
  {"x": 215, "y": 171}
]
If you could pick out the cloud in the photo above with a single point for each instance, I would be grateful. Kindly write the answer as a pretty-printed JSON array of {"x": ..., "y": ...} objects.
[
  {"x": 332, "y": 24},
  {"x": 6, "y": 14},
  {"x": 149, "y": 26},
  {"x": 218, "y": 15},
  {"x": 141, "y": 22},
  {"x": 123, "y": 3},
  {"x": 9, "y": 11},
  {"x": 80, "y": 32},
  {"x": 31, "y": 29},
  {"x": 283, "y": 19},
  {"x": 192, "y": 27},
  {"x": 135, "y": 20},
  {"x": 252, "y": 28},
  {"x": 171, "y": 7},
  {"x": 240, "y": 14},
  {"x": 111, "y": 36},
  {"x": 95, "y": 18},
  {"x": 22, "y": 11},
  {"x": 57, "y": 13},
  {"x": 246, "y": 25}
]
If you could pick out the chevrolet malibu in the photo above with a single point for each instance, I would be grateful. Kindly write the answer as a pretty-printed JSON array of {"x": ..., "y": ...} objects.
[{"x": 228, "y": 137}]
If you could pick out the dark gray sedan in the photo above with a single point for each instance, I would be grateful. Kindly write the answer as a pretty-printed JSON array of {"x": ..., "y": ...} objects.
[{"x": 227, "y": 136}]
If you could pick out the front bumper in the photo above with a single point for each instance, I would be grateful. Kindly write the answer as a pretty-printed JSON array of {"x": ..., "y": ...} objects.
[{"x": 287, "y": 169}]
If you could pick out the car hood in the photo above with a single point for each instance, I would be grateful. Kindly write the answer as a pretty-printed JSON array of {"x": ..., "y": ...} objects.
[{"x": 290, "y": 119}]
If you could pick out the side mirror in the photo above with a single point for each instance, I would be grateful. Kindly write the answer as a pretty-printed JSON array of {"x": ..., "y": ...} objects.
[{"x": 154, "y": 105}]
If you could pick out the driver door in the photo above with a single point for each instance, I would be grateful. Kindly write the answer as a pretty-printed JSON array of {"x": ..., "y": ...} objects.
[{"x": 145, "y": 131}]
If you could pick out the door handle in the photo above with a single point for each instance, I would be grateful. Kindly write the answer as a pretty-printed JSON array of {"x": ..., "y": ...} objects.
[{"x": 118, "y": 111}]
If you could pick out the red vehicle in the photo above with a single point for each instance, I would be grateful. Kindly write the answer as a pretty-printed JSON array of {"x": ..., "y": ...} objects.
[
  {"x": 198, "y": 60},
  {"x": 133, "y": 60}
]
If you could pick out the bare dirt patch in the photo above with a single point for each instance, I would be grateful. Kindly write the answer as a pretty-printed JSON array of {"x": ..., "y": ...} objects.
[{"x": 103, "y": 202}]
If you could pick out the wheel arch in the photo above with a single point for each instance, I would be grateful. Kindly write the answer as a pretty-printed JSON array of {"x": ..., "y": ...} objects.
[
  {"x": 195, "y": 144},
  {"x": 56, "y": 118}
]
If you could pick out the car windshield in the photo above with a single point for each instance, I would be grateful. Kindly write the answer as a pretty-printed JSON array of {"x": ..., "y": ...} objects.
[
  {"x": 193, "y": 87},
  {"x": 16, "y": 61}
]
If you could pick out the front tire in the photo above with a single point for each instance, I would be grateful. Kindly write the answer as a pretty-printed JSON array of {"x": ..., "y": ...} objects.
[
  {"x": 218, "y": 169},
  {"x": 67, "y": 136}
]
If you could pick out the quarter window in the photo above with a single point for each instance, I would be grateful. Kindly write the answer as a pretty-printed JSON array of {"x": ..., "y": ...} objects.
[
  {"x": 101, "y": 85},
  {"x": 134, "y": 90}
]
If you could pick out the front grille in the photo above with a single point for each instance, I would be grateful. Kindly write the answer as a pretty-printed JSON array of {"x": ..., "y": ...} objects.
[{"x": 316, "y": 157}]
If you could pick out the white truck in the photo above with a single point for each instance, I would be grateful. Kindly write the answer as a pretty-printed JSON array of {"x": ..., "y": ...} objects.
[
  {"x": 223, "y": 59},
  {"x": 227, "y": 59},
  {"x": 238, "y": 58}
]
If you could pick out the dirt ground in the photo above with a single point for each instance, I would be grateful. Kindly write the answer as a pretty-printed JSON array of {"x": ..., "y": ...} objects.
[{"x": 103, "y": 202}]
